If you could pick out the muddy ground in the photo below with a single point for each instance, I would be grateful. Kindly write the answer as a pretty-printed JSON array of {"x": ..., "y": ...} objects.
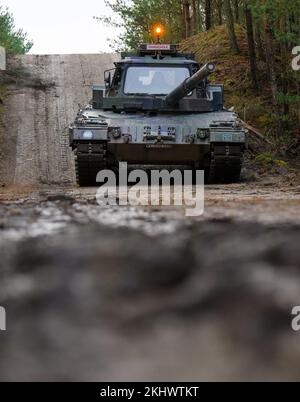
[{"x": 136, "y": 293}]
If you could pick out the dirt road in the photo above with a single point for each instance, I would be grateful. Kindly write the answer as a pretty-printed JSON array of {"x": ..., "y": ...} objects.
[
  {"x": 138, "y": 293},
  {"x": 135, "y": 293}
]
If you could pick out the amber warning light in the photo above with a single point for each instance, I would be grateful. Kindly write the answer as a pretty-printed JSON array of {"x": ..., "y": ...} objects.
[{"x": 158, "y": 32}]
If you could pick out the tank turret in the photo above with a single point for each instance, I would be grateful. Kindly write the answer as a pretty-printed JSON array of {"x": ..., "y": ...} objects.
[{"x": 189, "y": 84}]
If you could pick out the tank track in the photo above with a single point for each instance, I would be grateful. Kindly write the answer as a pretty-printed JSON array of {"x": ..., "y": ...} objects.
[
  {"x": 89, "y": 160},
  {"x": 226, "y": 163}
]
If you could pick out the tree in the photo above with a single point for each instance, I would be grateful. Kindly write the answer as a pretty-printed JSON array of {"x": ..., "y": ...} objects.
[
  {"x": 251, "y": 45},
  {"x": 230, "y": 26},
  {"x": 219, "y": 6},
  {"x": 136, "y": 19},
  {"x": 270, "y": 56},
  {"x": 195, "y": 7},
  {"x": 14, "y": 40},
  {"x": 207, "y": 14},
  {"x": 187, "y": 18},
  {"x": 259, "y": 41},
  {"x": 236, "y": 10}
]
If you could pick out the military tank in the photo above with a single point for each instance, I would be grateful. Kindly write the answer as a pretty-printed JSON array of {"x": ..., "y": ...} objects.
[{"x": 158, "y": 109}]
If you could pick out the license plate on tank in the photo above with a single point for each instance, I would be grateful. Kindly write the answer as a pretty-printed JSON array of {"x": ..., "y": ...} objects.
[
  {"x": 227, "y": 137},
  {"x": 164, "y": 146}
]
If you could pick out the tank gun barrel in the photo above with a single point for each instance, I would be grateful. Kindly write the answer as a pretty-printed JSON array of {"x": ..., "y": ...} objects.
[{"x": 189, "y": 84}]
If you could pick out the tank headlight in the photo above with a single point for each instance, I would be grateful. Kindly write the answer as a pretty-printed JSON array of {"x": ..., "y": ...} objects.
[{"x": 88, "y": 135}]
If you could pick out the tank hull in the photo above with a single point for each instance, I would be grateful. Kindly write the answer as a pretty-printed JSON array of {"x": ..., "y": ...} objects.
[
  {"x": 212, "y": 141},
  {"x": 166, "y": 129}
]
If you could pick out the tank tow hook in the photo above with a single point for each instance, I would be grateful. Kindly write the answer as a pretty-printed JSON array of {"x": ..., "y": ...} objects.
[{"x": 159, "y": 139}]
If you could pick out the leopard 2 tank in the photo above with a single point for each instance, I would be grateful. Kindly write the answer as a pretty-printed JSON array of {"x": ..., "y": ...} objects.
[{"x": 158, "y": 109}]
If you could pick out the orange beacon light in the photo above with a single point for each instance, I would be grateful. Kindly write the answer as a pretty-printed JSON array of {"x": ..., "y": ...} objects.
[{"x": 158, "y": 30}]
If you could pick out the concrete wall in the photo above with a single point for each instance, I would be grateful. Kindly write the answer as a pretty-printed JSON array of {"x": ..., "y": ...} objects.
[{"x": 2, "y": 58}]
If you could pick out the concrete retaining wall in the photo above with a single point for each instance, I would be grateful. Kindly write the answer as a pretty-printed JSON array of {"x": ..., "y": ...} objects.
[{"x": 35, "y": 149}]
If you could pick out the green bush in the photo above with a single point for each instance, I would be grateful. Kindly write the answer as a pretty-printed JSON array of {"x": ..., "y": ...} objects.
[{"x": 268, "y": 159}]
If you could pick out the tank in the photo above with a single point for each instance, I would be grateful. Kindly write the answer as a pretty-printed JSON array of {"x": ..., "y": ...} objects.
[{"x": 158, "y": 109}]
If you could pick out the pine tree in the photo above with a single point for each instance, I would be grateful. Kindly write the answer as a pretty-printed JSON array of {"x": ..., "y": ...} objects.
[
  {"x": 14, "y": 40},
  {"x": 230, "y": 25}
]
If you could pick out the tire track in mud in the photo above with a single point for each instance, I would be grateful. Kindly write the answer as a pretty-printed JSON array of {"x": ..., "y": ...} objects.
[{"x": 35, "y": 148}]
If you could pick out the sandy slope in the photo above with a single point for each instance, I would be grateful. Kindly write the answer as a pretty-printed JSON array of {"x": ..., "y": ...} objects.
[{"x": 35, "y": 136}]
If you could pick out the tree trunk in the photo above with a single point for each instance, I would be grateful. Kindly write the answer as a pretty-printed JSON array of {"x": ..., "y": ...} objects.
[
  {"x": 259, "y": 42},
  {"x": 270, "y": 59},
  {"x": 219, "y": 11},
  {"x": 188, "y": 19},
  {"x": 237, "y": 11},
  {"x": 284, "y": 64},
  {"x": 230, "y": 26},
  {"x": 207, "y": 14},
  {"x": 182, "y": 18},
  {"x": 195, "y": 7},
  {"x": 251, "y": 46}
]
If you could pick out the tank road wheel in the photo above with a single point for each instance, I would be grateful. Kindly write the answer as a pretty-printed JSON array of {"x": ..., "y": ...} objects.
[
  {"x": 226, "y": 163},
  {"x": 89, "y": 160}
]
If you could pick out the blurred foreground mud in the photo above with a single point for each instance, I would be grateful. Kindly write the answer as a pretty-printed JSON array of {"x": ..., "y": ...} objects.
[{"x": 148, "y": 294}]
